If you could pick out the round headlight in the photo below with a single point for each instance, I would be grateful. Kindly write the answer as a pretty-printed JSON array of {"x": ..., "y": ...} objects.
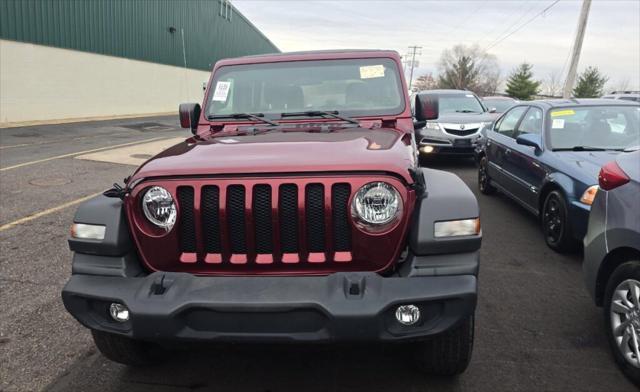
[
  {"x": 159, "y": 208},
  {"x": 376, "y": 205}
]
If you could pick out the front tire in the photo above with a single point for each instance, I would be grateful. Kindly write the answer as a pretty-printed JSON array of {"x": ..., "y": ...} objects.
[
  {"x": 622, "y": 317},
  {"x": 125, "y": 350},
  {"x": 556, "y": 225},
  {"x": 484, "y": 181},
  {"x": 449, "y": 353}
]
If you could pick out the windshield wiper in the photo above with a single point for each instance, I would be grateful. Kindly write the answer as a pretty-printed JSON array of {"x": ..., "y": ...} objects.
[
  {"x": 250, "y": 116},
  {"x": 466, "y": 111},
  {"x": 586, "y": 148},
  {"x": 320, "y": 113}
]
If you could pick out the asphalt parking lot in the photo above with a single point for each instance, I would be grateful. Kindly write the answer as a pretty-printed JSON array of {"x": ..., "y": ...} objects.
[{"x": 536, "y": 328}]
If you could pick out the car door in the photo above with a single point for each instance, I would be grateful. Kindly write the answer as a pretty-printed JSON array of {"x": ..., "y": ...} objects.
[
  {"x": 500, "y": 142},
  {"x": 523, "y": 164}
]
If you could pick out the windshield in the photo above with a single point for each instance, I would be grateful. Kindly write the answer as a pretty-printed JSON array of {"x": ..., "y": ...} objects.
[
  {"x": 459, "y": 103},
  {"x": 606, "y": 127},
  {"x": 354, "y": 87},
  {"x": 501, "y": 105}
]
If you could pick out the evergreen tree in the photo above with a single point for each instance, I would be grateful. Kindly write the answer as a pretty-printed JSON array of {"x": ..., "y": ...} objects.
[
  {"x": 590, "y": 83},
  {"x": 520, "y": 84}
]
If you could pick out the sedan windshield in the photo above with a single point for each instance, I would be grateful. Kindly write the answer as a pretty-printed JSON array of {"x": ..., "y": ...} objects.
[
  {"x": 459, "y": 103},
  {"x": 595, "y": 127},
  {"x": 354, "y": 87}
]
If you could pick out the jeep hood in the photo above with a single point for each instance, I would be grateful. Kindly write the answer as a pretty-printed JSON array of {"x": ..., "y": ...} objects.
[{"x": 349, "y": 149}]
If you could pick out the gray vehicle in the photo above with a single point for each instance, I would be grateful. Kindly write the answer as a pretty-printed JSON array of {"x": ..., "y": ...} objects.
[
  {"x": 456, "y": 130},
  {"x": 612, "y": 258}
]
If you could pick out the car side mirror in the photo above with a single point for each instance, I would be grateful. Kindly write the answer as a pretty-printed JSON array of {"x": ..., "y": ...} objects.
[
  {"x": 427, "y": 107},
  {"x": 492, "y": 110},
  {"x": 189, "y": 115},
  {"x": 531, "y": 140}
]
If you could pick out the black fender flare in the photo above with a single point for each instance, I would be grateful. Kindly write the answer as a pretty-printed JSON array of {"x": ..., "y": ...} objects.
[{"x": 446, "y": 197}]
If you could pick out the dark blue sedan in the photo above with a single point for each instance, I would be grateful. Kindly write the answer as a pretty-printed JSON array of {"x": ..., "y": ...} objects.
[{"x": 546, "y": 155}]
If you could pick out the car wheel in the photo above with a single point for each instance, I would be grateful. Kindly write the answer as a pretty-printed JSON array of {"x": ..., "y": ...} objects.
[
  {"x": 448, "y": 353},
  {"x": 556, "y": 225},
  {"x": 484, "y": 182},
  {"x": 125, "y": 350},
  {"x": 622, "y": 318}
]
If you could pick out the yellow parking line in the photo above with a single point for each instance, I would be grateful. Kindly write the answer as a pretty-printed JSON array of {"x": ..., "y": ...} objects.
[
  {"x": 79, "y": 153},
  {"x": 46, "y": 212}
]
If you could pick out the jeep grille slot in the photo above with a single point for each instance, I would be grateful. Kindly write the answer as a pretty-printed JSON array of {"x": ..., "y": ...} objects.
[
  {"x": 236, "y": 219},
  {"x": 315, "y": 217},
  {"x": 262, "y": 219},
  {"x": 288, "y": 209},
  {"x": 211, "y": 219},
  {"x": 340, "y": 209},
  {"x": 187, "y": 223}
]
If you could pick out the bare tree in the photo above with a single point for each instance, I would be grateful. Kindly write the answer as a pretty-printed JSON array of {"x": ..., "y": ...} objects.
[
  {"x": 469, "y": 68},
  {"x": 552, "y": 85},
  {"x": 425, "y": 82}
]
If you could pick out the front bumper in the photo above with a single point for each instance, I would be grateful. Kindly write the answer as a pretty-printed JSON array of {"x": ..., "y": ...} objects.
[
  {"x": 449, "y": 145},
  {"x": 341, "y": 306}
]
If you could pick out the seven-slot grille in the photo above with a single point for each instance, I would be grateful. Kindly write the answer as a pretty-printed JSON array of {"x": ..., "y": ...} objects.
[{"x": 282, "y": 223}]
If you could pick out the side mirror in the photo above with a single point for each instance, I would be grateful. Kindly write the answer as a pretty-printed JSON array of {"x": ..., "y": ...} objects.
[
  {"x": 492, "y": 110},
  {"x": 427, "y": 107},
  {"x": 189, "y": 115},
  {"x": 419, "y": 124},
  {"x": 531, "y": 140}
]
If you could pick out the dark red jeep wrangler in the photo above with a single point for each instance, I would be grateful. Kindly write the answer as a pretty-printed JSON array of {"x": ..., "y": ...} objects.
[{"x": 297, "y": 212}]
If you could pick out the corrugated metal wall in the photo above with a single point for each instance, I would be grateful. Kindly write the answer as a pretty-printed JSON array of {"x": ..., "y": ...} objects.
[{"x": 136, "y": 29}]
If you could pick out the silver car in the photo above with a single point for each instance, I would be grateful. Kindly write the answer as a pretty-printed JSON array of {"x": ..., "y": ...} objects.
[
  {"x": 612, "y": 258},
  {"x": 456, "y": 130}
]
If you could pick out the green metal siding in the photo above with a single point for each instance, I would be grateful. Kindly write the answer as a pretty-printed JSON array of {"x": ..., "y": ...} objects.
[{"x": 136, "y": 29}]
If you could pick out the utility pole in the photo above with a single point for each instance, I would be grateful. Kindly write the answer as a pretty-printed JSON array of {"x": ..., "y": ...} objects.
[
  {"x": 577, "y": 47},
  {"x": 414, "y": 50}
]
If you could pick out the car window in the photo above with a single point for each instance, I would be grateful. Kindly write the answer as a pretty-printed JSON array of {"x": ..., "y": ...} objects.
[
  {"x": 508, "y": 123},
  {"x": 606, "y": 127},
  {"x": 532, "y": 122}
]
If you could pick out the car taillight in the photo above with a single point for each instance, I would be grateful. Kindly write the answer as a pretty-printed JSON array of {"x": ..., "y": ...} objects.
[{"x": 612, "y": 176}]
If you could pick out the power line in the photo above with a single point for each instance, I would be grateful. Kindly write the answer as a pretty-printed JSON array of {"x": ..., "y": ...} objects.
[
  {"x": 522, "y": 26},
  {"x": 525, "y": 13}
]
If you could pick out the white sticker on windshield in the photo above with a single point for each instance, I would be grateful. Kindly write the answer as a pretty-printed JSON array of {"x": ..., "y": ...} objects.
[
  {"x": 221, "y": 92},
  {"x": 371, "y": 71},
  {"x": 558, "y": 123}
]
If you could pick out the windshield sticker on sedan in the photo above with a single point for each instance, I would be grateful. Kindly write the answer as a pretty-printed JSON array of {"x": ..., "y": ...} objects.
[
  {"x": 567, "y": 112},
  {"x": 371, "y": 71},
  {"x": 221, "y": 92},
  {"x": 558, "y": 123}
]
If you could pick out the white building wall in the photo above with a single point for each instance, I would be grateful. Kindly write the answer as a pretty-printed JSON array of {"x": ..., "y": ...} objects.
[{"x": 41, "y": 83}]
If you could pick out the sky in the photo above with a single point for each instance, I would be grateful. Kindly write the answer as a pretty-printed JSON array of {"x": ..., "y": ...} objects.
[{"x": 611, "y": 42}]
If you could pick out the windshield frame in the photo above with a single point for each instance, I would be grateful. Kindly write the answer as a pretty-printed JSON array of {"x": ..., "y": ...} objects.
[
  {"x": 549, "y": 121},
  {"x": 398, "y": 111}
]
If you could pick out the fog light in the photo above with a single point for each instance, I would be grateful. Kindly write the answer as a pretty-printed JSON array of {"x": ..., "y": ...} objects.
[
  {"x": 426, "y": 149},
  {"x": 407, "y": 314},
  {"x": 119, "y": 312}
]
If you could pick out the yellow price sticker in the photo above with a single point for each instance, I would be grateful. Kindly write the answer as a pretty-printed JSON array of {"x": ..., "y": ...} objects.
[{"x": 567, "y": 112}]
